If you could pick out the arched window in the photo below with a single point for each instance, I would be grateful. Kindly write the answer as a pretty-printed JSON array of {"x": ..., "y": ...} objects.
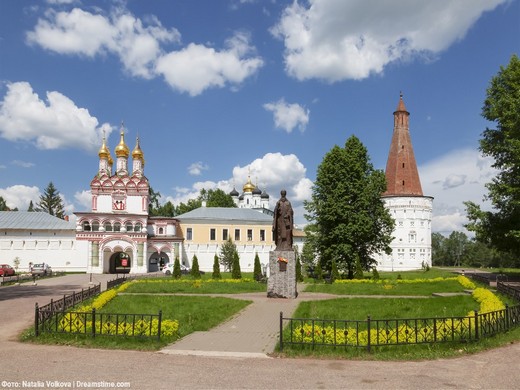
[
  {"x": 86, "y": 226},
  {"x": 117, "y": 227},
  {"x": 129, "y": 227},
  {"x": 95, "y": 226},
  {"x": 108, "y": 227},
  {"x": 137, "y": 227},
  {"x": 161, "y": 231}
]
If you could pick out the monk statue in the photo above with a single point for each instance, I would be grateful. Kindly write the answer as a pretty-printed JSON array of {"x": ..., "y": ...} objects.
[{"x": 283, "y": 224}]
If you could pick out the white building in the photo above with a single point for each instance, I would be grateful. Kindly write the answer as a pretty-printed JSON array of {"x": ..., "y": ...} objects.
[
  {"x": 251, "y": 198},
  {"x": 411, "y": 210},
  {"x": 38, "y": 237}
]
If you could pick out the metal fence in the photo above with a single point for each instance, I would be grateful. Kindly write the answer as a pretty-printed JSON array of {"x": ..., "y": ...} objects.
[
  {"x": 43, "y": 313},
  {"x": 91, "y": 323},
  {"x": 510, "y": 289},
  {"x": 371, "y": 333},
  {"x": 117, "y": 281}
]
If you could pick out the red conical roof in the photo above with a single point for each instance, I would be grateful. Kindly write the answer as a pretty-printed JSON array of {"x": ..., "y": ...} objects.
[{"x": 402, "y": 176}]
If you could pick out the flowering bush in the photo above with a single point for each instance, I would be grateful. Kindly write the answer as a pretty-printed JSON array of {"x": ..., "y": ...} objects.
[
  {"x": 77, "y": 321},
  {"x": 465, "y": 282},
  {"x": 445, "y": 328}
]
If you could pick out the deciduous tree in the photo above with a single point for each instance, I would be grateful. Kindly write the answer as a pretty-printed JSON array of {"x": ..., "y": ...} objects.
[
  {"x": 501, "y": 226},
  {"x": 350, "y": 217}
]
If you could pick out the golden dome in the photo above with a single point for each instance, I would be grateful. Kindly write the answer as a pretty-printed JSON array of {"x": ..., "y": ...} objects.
[
  {"x": 137, "y": 153},
  {"x": 121, "y": 149},
  {"x": 103, "y": 151},
  {"x": 249, "y": 187},
  {"x": 110, "y": 160}
]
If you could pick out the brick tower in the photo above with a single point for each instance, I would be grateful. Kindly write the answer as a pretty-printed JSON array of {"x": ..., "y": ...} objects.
[{"x": 411, "y": 210}]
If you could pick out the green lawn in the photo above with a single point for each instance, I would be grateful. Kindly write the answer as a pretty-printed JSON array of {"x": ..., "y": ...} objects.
[
  {"x": 390, "y": 288},
  {"x": 386, "y": 308},
  {"x": 189, "y": 286}
]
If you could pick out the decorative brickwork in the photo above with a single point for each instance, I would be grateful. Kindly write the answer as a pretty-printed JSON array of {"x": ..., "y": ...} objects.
[{"x": 401, "y": 169}]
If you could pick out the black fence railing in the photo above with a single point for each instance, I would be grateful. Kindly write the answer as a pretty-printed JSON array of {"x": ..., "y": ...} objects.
[
  {"x": 510, "y": 289},
  {"x": 43, "y": 313},
  {"x": 117, "y": 281},
  {"x": 93, "y": 324},
  {"x": 371, "y": 333}
]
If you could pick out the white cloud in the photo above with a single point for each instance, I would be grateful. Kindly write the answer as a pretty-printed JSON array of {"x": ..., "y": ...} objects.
[
  {"x": 288, "y": 116},
  {"x": 84, "y": 198},
  {"x": 197, "y": 67},
  {"x": 139, "y": 47},
  {"x": 52, "y": 124},
  {"x": 196, "y": 168},
  {"x": 84, "y": 33},
  {"x": 23, "y": 164},
  {"x": 336, "y": 40},
  {"x": 20, "y": 196},
  {"x": 271, "y": 173},
  {"x": 451, "y": 179}
]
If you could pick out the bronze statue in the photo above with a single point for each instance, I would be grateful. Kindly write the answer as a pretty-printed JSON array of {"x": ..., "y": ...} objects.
[{"x": 283, "y": 224}]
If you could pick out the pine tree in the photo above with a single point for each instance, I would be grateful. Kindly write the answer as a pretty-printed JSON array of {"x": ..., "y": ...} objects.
[
  {"x": 334, "y": 273},
  {"x": 358, "y": 273},
  {"x": 177, "y": 269},
  {"x": 195, "y": 272},
  {"x": 235, "y": 272},
  {"x": 299, "y": 276},
  {"x": 318, "y": 271},
  {"x": 216, "y": 268},
  {"x": 51, "y": 203},
  {"x": 257, "y": 273},
  {"x": 31, "y": 206},
  {"x": 375, "y": 274}
]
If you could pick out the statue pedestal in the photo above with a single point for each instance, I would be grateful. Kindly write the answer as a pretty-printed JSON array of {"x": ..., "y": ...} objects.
[{"x": 282, "y": 275}]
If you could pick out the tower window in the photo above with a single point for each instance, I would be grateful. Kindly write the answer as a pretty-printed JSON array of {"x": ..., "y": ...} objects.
[
  {"x": 403, "y": 182},
  {"x": 403, "y": 165}
]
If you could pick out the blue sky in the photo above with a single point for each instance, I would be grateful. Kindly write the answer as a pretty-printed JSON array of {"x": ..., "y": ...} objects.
[{"x": 217, "y": 90}]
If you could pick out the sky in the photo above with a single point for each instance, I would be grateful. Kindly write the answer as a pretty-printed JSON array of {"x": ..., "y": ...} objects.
[{"x": 219, "y": 91}]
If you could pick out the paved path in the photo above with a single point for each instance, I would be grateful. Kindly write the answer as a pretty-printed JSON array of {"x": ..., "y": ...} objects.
[{"x": 495, "y": 369}]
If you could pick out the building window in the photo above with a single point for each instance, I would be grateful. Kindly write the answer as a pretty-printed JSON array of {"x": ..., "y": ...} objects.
[
  {"x": 137, "y": 227},
  {"x": 262, "y": 235},
  {"x": 108, "y": 227},
  {"x": 411, "y": 237},
  {"x": 212, "y": 234},
  {"x": 189, "y": 234},
  {"x": 117, "y": 227},
  {"x": 249, "y": 234},
  {"x": 225, "y": 234},
  {"x": 95, "y": 226},
  {"x": 237, "y": 234},
  {"x": 86, "y": 226},
  {"x": 161, "y": 230},
  {"x": 129, "y": 227}
]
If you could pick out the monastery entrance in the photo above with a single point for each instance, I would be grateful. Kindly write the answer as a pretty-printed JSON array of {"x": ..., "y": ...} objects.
[
  {"x": 120, "y": 263},
  {"x": 157, "y": 261}
]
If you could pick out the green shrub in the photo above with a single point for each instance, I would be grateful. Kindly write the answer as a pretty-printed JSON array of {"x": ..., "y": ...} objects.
[
  {"x": 235, "y": 272},
  {"x": 334, "y": 273},
  {"x": 177, "y": 269},
  {"x": 299, "y": 276},
  {"x": 257, "y": 273},
  {"x": 358, "y": 272},
  {"x": 195, "y": 272},
  {"x": 375, "y": 274},
  {"x": 216, "y": 268}
]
